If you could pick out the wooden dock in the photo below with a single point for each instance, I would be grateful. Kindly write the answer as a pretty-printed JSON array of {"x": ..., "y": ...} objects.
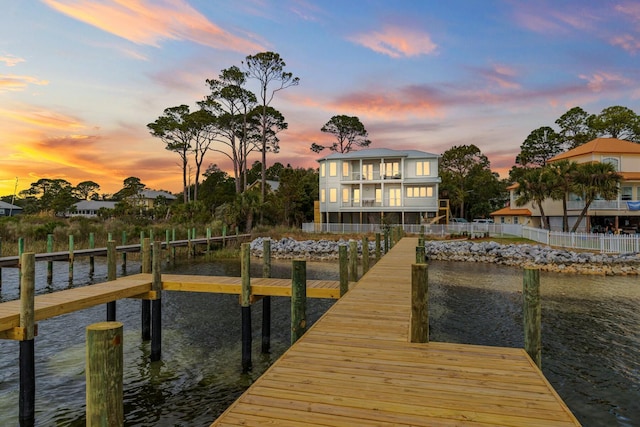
[{"x": 355, "y": 367}]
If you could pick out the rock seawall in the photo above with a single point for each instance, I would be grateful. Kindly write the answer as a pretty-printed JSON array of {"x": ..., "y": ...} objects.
[{"x": 520, "y": 255}]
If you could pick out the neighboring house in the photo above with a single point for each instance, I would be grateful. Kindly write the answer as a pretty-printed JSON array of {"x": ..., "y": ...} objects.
[
  {"x": 623, "y": 213},
  {"x": 90, "y": 208},
  {"x": 146, "y": 199},
  {"x": 374, "y": 185},
  {"x": 272, "y": 186},
  {"x": 7, "y": 209}
]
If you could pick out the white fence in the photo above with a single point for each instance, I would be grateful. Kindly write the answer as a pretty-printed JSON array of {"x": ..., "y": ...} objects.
[{"x": 605, "y": 243}]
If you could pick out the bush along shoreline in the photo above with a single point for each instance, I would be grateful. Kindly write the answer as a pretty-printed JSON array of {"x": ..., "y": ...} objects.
[{"x": 515, "y": 255}]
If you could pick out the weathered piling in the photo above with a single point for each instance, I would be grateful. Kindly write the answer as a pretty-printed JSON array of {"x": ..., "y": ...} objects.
[
  {"x": 49, "y": 263},
  {"x": 532, "y": 314},
  {"x": 420, "y": 254},
  {"x": 298, "y": 299},
  {"x": 419, "y": 330},
  {"x": 378, "y": 247},
  {"x": 245, "y": 302},
  {"x": 124, "y": 254},
  {"x": 27, "y": 342},
  {"x": 344, "y": 269},
  {"x": 353, "y": 260},
  {"x": 365, "y": 255},
  {"x": 156, "y": 305},
  {"x": 92, "y": 245},
  {"x": 145, "y": 304},
  {"x": 266, "y": 301},
  {"x": 111, "y": 275},
  {"x": 104, "y": 374}
]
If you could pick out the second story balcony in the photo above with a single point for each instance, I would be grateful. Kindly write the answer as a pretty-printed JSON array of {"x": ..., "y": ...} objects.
[{"x": 604, "y": 205}]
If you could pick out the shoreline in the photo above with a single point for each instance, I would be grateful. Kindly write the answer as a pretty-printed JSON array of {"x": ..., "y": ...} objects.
[{"x": 514, "y": 255}]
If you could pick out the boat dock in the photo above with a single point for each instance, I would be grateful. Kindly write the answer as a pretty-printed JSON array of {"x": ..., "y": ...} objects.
[{"x": 356, "y": 367}]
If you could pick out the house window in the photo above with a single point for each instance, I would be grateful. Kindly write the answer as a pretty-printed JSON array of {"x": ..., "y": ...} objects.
[
  {"x": 626, "y": 193},
  {"x": 333, "y": 169},
  {"x": 422, "y": 191},
  {"x": 356, "y": 196},
  {"x": 333, "y": 195},
  {"x": 515, "y": 220},
  {"x": 345, "y": 195},
  {"x": 501, "y": 220},
  {"x": 322, "y": 195},
  {"x": 345, "y": 169},
  {"x": 322, "y": 170},
  {"x": 422, "y": 168},
  {"x": 395, "y": 197},
  {"x": 367, "y": 172},
  {"x": 378, "y": 196},
  {"x": 612, "y": 161},
  {"x": 637, "y": 193},
  {"x": 392, "y": 170}
]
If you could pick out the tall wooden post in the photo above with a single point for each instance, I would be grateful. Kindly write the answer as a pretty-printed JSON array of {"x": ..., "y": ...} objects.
[
  {"x": 344, "y": 269},
  {"x": 20, "y": 252},
  {"x": 156, "y": 305},
  {"x": 167, "y": 240},
  {"x": 104, "y": 373},
  {"x": 124, "y": 253},
  {"x": 71, "y": 258},
  {"x": 353, "y": 260},
  {"x": 49, "y": 263},
  {"x": 208, "y": 240},
  {"x": 387, "y": 239},
  {"x": 420, "y": 255},
  {"x": 532, "y": 314},
  {"x": 419, "y": 331},
  {"x": 365, "y": 255},
  {"x": 298, "y": 299},
  {"x": 27, "y": 343},
  {"x": 111, "y": 275},
  {"x": 92, "y": 245},
  {"x": 245, "y": 302},
  {"x": 145, "y": 304},
  {"x": 189, "y": 244},
  {"x": 173, "y": 239},
  {"x": 266, "y": 301},
  {"x": 378, "y": 247}
]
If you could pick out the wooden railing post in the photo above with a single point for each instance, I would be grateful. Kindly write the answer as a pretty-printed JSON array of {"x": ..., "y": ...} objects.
[
  {"x": 156, "y": 304},
  {"x": 365, "y": 255},
  {"x": 27, "y": 343},
  {"x": 344, "y": 269},
  {"x": 353, "y": 260},
  {"x": 298, "y": 299},
  {"x": 245, "y": 302},
  {"x": 266, "y": 301},
  {"x": 111, "y": 275},
  {"x": 104, "y": 374},
  {"x": 420, "y": 255},
  {"x": 532, "y": 314},
  {"x": 419, "y": 331}
]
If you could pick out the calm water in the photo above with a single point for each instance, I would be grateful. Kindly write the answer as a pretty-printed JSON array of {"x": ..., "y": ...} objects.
[{"x": 591, "y": 342}]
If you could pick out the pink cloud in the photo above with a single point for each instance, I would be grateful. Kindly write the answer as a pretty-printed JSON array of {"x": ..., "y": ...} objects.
[
  {"x": 148, "y": 22},
  {"x": 397, "y": 42},
  {"x": 627, "y": 42},
  {"x": 14, "y": 83},
  {"x": 600, "y": 81}
]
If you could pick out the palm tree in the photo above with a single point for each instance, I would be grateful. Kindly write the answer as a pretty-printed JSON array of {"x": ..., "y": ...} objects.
[
  {"x": 562, "y": 174},
  {"x": 595, "y": 180},
  {"x": 535, "y": 185}
]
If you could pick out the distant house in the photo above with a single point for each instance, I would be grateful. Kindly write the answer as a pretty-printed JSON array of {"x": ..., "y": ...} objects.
[
  {"x": 271, "y": 185},
  {"x": 146, "y": 199},
  {"x": 7, "y": 209},
  {"x": 90, "y": 208}
]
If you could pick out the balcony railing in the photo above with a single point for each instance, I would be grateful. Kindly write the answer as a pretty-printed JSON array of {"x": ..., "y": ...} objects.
[
  {"x": 598, "y": 205},
  {"x": 429, "y": 203}
]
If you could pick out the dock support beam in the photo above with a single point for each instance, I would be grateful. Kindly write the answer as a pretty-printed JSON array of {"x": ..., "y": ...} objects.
[
  {"x": 104, "y": 372},
  {"x": 266, "y": 301},
  {"x": 419, "y": 321},
  {"x": 111, "y": 275},
  {"x": 145, "y": 304},
  {"x": 532, "y": 314},
  {"x": 156, "y": 305},
  {"x": 245, "y": 302},
  {"x": 27, "y": 345},
  {"x": 298, "y": 299}
]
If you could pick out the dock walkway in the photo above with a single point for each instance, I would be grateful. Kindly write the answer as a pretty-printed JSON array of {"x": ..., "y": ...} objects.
[{"x": 355, "y": 367}]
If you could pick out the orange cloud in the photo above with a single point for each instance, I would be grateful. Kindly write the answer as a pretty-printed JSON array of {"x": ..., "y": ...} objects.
[
  {"x": 42, "y": 118},
  {"x": 148, "y": 22},
  {"x": 10, "y": 60},
  {"x": 397, "y": 42},
  {"x": 13, "y": 83}
]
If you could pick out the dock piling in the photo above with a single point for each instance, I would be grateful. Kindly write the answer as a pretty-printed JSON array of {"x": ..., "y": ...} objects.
[
  {"x": 27, "y": 343},
  {"x": 266, "y": 301},
  {"x": 104, "y": 373},
  {"x": 145, "y": 304},
  {"x": 92, "y": 245},
  {"x": 419, "y": 320},
  {"x": 298, "y": 299},
  {"x": 365, "y": 255},
  {"x": 532, "y": 314},
  {"x": 156, "y": 305},
  {"x": 344, "y": 269},
  {"x": 378, "y": 247},
  {"x": 353, "y": 260},
  {"x": 49, "y": 263},
  {"x": 71, "y": 247},
  {"x": 245, "y": 302},
  {"x": 111, "y": 275}
]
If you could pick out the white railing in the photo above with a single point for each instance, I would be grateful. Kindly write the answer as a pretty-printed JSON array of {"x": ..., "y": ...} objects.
[{"x": 605, "y": 243}]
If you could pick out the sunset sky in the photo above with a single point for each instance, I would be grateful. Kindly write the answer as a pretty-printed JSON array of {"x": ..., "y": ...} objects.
[{"x": 80, "y": 79}]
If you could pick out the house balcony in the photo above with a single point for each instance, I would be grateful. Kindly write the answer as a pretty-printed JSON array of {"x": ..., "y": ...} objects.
[
  {"x": 605, "y": 205},
  {"x": 392, "y": 203}
]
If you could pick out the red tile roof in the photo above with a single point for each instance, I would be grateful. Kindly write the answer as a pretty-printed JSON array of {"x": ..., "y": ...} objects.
[{"x": 601, "y": 146}]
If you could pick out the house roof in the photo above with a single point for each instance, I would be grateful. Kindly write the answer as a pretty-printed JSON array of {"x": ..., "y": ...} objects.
[
  {"x": 379, "y": 153},
  {"x": 630, "y": 176},
  {"x": 600, "y": 146},
  {"x": 89, "y": 205},
  {"x": 154, "y": 194},
  {"x": 508, "y": 211},
  {"x": 5, "y": 205}
]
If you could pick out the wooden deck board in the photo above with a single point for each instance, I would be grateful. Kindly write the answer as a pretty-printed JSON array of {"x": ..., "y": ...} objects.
[{"x": 355, "y": 366}]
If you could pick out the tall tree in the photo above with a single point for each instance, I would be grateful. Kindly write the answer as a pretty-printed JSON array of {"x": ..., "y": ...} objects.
[
  {"x": 174, "y": 129},
  {"x": 594, "y": 180},
  {"x": 535, "y": 185},
  {"x": 574, "y": 129},
  {"x": 349, "y": 132},
  {"x": 541, "y": 145},
  {"x": 457, "y": 166},
  {"x": 204, "y": 129},
  {"x": 268, "y": 69},
  {"x": 616, "y": 122},
  {"x": 46, "y": 191},
  {"x": 562, "y": 175},
  {"x": 87, "y": 190}
]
